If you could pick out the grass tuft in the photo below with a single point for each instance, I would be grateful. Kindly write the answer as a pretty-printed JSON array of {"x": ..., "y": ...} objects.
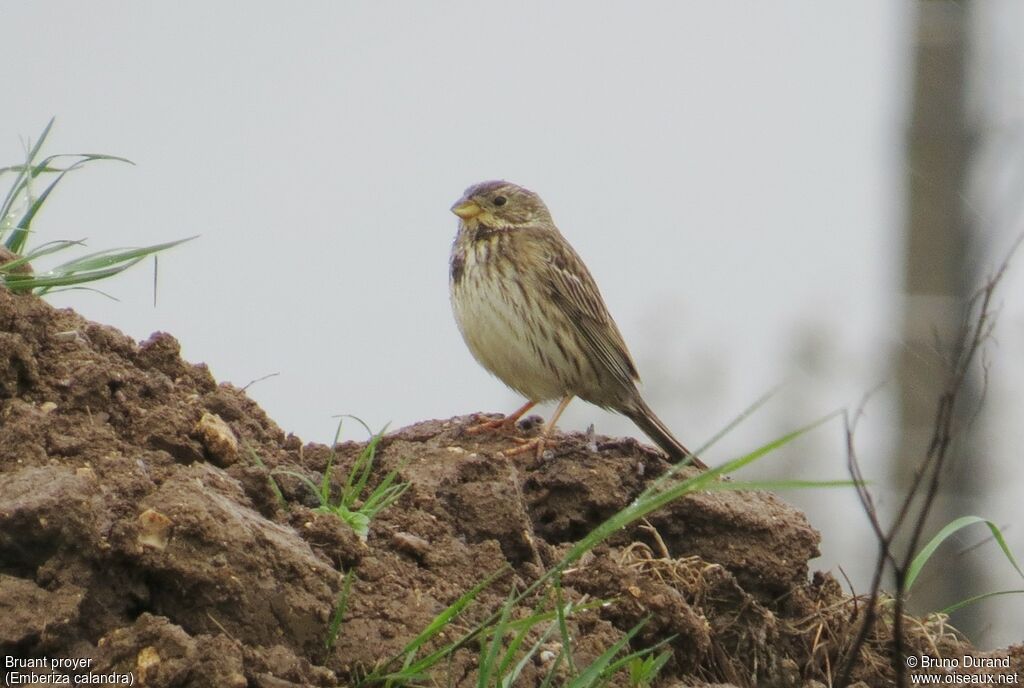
[
  {"x": 19, "y": 208},
  {"x": 641, "y": 666},
  {"x": 350, "y": 506}
]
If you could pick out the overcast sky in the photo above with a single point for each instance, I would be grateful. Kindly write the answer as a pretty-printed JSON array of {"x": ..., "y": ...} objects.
[{"x": 731, "y": 172}]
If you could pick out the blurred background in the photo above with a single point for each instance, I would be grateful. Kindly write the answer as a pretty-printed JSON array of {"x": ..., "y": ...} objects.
[{"x": 798, "y": 195}]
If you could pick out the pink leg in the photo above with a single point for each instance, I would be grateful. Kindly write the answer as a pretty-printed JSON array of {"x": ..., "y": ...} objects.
[
  {"x": 506, "y": 423},
  {"x": 538, "y": 442}
]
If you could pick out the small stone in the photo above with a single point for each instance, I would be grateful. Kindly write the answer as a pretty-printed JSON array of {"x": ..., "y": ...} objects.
[
  {"x": 218, "y": 438},
  {"x": 155, "y": 529},
  {"x": 71, "y": 336},
  {"x": 147, "y": 660},
  {"x": 410, "y": 544}
]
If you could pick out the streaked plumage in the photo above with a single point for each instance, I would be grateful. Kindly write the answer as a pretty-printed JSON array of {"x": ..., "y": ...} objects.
[{"x": 531, "y": 313}]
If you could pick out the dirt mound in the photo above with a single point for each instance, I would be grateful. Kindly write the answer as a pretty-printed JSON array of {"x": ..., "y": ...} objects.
[{"x": 138, "y": 535}]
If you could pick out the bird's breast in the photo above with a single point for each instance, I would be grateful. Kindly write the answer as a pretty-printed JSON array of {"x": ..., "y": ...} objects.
[
  {"x": 501, "y": 316},
  {"x": 480, "y": 254}
]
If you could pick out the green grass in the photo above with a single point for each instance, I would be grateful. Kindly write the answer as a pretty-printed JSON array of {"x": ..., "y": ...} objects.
[
  {"x": 643, "y": 670},
  {"x": 601, "y": 670},
  {"x": 945, "y": 533},
  {"x": 33, "y": 182},
  {"x": 349, "y": 504},
  {"x": 340, "y": 606},
  {"x": 503, "y": 650},
  {"x": 409, "y": 666},
  {"x": 501, "y": 663},
  {"x": 497, "y": 660}
]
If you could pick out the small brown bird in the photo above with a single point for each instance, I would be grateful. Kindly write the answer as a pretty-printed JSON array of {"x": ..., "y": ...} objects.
[{"x": 532, "y": 315}]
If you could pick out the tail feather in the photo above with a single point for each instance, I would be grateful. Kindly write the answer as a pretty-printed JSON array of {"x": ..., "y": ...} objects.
[{"x": 652, "y": 426}]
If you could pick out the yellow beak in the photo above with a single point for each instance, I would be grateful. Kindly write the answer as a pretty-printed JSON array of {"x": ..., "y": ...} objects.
[{"x": 467, "y": 209}]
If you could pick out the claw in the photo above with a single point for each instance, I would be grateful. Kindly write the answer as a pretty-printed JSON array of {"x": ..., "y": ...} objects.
[
  {"x": 505, "y": 424},
  {"x": 502, "y": 424},
  {"x": 536, "y": 443}
]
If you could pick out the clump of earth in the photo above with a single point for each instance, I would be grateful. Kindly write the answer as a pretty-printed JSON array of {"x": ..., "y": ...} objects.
[{"x": 141, "y": 534}]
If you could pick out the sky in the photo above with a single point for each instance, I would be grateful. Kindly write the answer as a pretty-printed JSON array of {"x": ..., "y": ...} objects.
[{"x": 732, "y": 173}]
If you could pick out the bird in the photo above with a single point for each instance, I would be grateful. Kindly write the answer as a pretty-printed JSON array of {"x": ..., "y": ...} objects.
[{"x": 531, "y": 314}]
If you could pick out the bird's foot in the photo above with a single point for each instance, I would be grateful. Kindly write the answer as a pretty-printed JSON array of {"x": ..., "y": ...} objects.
[
  {"x": 503, "y": 424},
  {"x": 536, "y": 445}
]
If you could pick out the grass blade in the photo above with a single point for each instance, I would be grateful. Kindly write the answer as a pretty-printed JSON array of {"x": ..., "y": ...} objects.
[
  {"x": 16, "y": 242},
  {"x": 412, "y": 668},
  {"x": 22, "y": 180},
  {"x": 777, "y": 485},
  {"x": 334, "y": 629},
  {"x": 595, "y": 669},
  {"x": 22, "y": 283},
  {"x": 103, "y": 259},
  {"x": 978, "y": 598},
  {"x": 295, "y": 474},
  {"x": 926, "y": 553},
  {"x": 487, "y": 667},
  {"x": 563, "y": 627}
]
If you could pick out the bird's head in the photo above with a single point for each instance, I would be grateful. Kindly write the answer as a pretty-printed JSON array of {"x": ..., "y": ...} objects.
[{"x": 501, "y": 205}]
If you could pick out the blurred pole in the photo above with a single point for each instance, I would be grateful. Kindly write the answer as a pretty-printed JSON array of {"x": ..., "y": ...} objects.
[{"x": 938, "y": 279}]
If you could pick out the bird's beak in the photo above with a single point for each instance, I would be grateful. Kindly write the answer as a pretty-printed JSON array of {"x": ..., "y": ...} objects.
[{"x": 467, "y": 210}]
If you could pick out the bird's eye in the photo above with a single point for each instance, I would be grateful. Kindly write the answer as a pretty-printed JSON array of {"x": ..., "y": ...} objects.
[{"x": 500, "y": 201}]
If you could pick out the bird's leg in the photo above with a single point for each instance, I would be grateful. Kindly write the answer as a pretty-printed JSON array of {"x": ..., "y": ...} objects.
[
  {"x": 538, "y": 442},
  {"x": 506, "y": 423}
]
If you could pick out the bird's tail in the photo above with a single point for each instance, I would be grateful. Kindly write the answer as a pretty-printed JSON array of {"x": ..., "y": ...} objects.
[{"x": 644, "y": 417}]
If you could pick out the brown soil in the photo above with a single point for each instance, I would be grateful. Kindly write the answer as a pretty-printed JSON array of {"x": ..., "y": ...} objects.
[{"x": 138, "y": 533}]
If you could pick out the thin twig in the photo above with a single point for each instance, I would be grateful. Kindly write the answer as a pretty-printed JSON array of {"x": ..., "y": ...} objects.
[{"x": 925, "y": 485}]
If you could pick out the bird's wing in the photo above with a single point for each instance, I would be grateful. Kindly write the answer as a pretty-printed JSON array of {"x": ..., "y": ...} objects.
[{"x": 574, "y": 291}]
